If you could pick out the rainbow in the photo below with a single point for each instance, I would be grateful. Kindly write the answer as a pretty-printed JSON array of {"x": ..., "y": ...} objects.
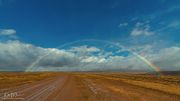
[
  {"x": 141, "y": 58},
  {"x": 151, "y": 65}
]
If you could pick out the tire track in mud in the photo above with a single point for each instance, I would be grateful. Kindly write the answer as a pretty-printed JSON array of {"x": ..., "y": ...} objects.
[
  {"x": 21, "y": 90},
  {"x": 47, "y": 90},
  {"x": 101, "y": 93},
  {"x": 38, "y": 91}
]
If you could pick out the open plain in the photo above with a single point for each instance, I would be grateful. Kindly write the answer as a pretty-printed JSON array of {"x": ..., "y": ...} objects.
[{"x": 88, "y": 86}]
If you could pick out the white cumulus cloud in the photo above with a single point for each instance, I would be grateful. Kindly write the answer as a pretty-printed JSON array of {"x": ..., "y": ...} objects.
[
  {"x": 15, "y": 55},
  {"x": 141, "y": 29},
  {"x": 123, "y": 24},
  {"x": 7, "y": 32}
]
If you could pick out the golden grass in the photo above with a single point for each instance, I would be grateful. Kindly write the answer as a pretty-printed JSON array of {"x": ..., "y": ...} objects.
[
  {"x": 165, "y": 83},
  {"x": 173, "y": 89},
  {"x": 13, "y": 79}
]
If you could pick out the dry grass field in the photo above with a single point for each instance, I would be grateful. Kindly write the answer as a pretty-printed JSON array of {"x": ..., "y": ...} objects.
[
  {"x": 91, "y": 86},
  {"x": 13, "y": 79}
]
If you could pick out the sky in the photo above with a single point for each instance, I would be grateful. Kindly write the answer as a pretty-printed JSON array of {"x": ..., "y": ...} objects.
[{"x": 89, "y": 35}]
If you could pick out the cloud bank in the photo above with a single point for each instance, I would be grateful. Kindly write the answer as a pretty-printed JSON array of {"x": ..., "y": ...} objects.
[{"x": 15, "y": 55}]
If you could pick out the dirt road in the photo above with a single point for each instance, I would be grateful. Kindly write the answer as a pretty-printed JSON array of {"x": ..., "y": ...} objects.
[{"x": 82, "y": 87}]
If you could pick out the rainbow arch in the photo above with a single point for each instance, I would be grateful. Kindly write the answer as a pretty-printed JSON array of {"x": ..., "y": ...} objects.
[{"x": 141, "y": 58}]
